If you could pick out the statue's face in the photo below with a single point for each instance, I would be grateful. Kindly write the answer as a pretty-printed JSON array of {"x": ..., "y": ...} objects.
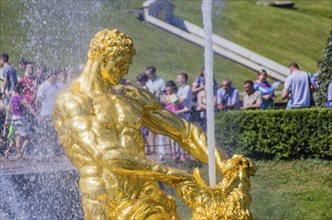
[{"x": 115, "y": 69}]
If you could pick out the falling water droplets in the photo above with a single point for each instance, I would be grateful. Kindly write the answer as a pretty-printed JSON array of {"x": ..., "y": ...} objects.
[
  {"x": 55, "y": 33},
  {"x": 58, "y": 28}
]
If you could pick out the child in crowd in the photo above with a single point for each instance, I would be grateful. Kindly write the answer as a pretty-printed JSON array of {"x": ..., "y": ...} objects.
[
  {"x": 171, "y": 102},
  {"x": 169, "y": 98},
  {"x": 18, "y": 107}
]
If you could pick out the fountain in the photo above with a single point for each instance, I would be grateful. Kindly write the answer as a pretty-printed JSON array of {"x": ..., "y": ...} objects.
[
  {"x": 39, "y": 190},
  {"x": 114, "y": 183}
]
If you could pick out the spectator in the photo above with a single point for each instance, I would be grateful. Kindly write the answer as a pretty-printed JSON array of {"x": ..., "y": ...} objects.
[
  {"x": 251, "y": 99},
  {"x": 22, "y": 64},
  {"x": 169, "y": 98},
  {"x": 185, "y": 100},
  {"x": 156, "y": 86},
  {"x": 40, "y": 75},
  {"x": 199, "y": 83},
  {"x": 171, "y": 102},
  {"x": 185, "y": 96},
  {"x": 29, "y": 86},
  {"x": 314, "y": 78},
  {"x": 46, "y": 96},
  {"x": 227, "y": 97},
  {"x": 17, "y": 111},
  {"x": 141, "y": 79},
  {"x": 297, "y": 88},
  {"x": 201, "y": 107},
  {"x": 267, "y": 92},
  {"x": 9, "y": 75}
]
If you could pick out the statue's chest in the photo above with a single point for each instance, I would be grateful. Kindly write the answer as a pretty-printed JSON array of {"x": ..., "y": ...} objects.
[{"x": 117, "y": 110}]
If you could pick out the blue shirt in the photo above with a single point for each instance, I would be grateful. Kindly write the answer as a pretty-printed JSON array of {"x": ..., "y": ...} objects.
[
  {"x": 9, "y": 73},
  {"x": 201, "y": 81},
  {"x": 298, "y": 83},
  {"x": 228, "y": 98}
]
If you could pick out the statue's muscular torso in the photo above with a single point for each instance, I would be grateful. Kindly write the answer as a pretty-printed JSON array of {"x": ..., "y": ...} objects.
[{"x": 94, "y": 124}]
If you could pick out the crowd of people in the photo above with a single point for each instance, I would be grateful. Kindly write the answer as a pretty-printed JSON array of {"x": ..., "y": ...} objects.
[
  {"x": 188, "y": 101},
  {"x": 28, "y": 102}
]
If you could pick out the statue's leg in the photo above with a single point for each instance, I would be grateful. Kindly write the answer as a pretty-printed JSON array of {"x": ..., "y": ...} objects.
[
  {"x": 145, "y": 208},
  {"x": 93, "y": 193}
]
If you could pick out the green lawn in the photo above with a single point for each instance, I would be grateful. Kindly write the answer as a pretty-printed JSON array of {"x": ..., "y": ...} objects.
[
  {"x": 59, "y": 36},
  {"x": 282, "y": 35},
  {"x": 292, "y": 190},
  {"x": 300, "y": 189}
]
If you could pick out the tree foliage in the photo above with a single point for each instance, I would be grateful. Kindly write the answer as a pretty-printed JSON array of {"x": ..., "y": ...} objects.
[{"x": 325, "y": 75}]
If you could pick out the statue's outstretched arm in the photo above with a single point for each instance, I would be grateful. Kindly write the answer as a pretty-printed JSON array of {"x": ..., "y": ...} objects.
[
  {"x": 189, "y": 136},
  {"x": 122, "y": 162}
]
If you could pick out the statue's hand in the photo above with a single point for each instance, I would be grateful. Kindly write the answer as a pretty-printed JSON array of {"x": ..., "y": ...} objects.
[
  {"x": 197, "y": 175},
  {"x": 237, "y": 163}
]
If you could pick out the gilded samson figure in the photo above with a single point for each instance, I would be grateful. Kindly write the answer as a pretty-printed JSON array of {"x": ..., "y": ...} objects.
[{"x": 99, "y": 120}]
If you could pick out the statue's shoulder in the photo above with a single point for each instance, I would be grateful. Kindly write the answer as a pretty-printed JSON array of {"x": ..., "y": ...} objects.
[
  {"x": 72, "y": 96},
  {"x": 141, "y": 95}
]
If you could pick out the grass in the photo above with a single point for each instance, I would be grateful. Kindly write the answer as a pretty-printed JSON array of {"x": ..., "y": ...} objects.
[
  {"x": 292, "y": 190},
  {"x": 282, "y": 35},
  {"x": 62, "y": 34},
  {"x": 300, "y": 189}
]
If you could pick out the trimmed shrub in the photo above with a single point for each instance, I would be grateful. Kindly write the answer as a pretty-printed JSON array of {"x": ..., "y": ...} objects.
[{"x": 276, "y": 134}]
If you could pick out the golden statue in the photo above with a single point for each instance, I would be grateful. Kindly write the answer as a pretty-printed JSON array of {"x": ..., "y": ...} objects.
[{"x": 99, "y": 122}]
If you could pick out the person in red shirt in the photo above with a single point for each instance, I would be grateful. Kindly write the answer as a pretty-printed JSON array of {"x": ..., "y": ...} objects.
[
  {"x": 29, "y": 92},
  {"x": 29, "y": 87}
]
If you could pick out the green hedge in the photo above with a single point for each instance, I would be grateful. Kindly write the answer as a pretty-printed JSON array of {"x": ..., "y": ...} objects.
[{"x": 279, "y": 134}]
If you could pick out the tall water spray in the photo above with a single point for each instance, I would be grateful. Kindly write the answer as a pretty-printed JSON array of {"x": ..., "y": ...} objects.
[{"x": 208, "y": 63}]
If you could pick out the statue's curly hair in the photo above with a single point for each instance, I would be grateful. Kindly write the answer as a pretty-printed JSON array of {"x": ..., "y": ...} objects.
[{"x": 111, "y": 43}]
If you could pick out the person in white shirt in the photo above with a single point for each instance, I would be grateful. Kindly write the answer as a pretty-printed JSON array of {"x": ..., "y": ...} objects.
[
  {"x": 156, "y": 86},
  {"x": 184, "y": 95},
  {"x": 46, "y": 96}
]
